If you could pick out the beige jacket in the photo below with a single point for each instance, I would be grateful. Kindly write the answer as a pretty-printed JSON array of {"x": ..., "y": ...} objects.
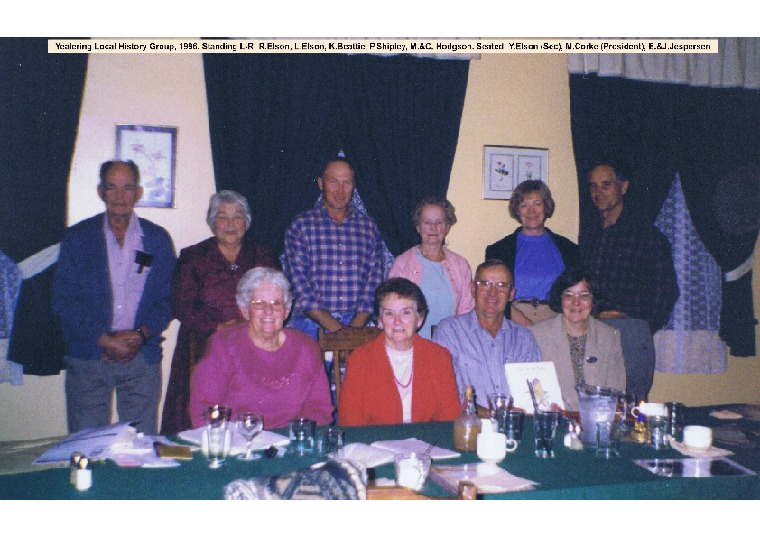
[{"x": 602, "y": 343}]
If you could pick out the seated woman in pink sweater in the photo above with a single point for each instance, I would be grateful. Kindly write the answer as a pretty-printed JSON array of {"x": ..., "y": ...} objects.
[
  {"x": 399, "y": 377},
  {"x": 260, "y": 366}
]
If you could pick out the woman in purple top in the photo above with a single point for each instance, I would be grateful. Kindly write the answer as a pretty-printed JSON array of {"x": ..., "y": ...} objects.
[
  {"x": 534, "y": 254},
  {"x": 203, "y": 294},
  {"x": 259, "y": 365}
]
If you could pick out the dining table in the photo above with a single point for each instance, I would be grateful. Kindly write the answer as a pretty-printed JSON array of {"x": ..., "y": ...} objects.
[{"x": 571, "y": 474}]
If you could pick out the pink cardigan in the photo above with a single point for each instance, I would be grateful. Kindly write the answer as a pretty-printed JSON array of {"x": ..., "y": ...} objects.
[{"x": 456, "y": 267}]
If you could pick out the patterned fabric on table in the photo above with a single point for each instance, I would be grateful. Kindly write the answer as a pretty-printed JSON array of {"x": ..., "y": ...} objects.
[
  {"x": 333, "y": 480},
  {"x": 689, "y": 342}
]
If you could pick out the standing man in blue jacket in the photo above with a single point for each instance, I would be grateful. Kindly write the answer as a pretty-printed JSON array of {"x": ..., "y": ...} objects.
[{"x": 112, "y": 293}]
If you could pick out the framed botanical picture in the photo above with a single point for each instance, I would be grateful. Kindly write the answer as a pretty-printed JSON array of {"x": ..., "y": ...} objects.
[
  {"x": 505, "y": 167},
  {"x": 154, "y": 150}
]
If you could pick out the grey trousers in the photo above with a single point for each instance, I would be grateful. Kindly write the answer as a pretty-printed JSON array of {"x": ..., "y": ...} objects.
[
  {"x": 90, "y": 385},
  {"x": 638, "y": 354}
]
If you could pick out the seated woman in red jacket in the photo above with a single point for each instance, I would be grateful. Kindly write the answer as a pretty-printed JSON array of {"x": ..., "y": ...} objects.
[{"x": 399, "y": 377}]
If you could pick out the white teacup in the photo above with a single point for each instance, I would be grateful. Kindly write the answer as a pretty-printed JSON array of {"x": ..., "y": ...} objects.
[
  {"x": 650, "y": 409},
  {"x": 697, "y": 437}
]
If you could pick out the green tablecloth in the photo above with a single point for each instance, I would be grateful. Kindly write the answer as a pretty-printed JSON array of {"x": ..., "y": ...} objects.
[{"x": 571, "y": 475}]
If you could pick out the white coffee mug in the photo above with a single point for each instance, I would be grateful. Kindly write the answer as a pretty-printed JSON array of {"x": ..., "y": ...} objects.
[
  {"x": 492, "y": 446},
  {"x": 650, "y": 409}
]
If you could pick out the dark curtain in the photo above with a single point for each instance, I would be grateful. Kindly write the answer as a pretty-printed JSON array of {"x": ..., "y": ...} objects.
[
  {"x": 40, "y": 99},
  {"x": 400, "y": 123},
  {"x": 708, "y": 136},
  {"x": 274, "y": 119}
]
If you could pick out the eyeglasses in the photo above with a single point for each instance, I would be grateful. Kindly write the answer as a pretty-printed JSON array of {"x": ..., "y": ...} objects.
[
  {"x": 502, "y": 287},
  {"x": 584, "y": 296},
  {"x": 260, "y": 305}
]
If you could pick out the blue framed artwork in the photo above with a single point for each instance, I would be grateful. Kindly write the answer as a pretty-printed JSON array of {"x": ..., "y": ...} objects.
[{"x": 154, "y": 150}]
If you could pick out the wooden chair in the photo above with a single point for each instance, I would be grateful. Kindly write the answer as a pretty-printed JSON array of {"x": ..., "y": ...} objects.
[{"x": 340, "y": 344}]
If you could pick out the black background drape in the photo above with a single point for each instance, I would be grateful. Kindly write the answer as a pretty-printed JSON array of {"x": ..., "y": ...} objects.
[
  {"x": 40, "y": 99},
  {"x": 708, "y": 136},
  {"x": 274, "y": 119}
]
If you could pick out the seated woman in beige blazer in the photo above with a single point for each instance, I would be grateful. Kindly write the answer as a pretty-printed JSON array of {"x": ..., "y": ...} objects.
[{"x": 584, "y": 350}]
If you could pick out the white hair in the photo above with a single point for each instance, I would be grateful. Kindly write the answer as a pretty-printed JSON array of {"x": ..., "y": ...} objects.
[
  {"x": 227, "y": 196},
  {"x": 258, "y": 276}
]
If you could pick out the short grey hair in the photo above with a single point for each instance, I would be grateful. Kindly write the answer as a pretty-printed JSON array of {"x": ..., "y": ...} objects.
[
  {"x": 227, "y": 196},
  {"x": 258, "y": 276},
  {"x": 437, "y": 201}
]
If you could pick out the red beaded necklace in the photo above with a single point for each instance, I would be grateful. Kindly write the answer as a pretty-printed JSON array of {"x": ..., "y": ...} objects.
[{"x": 411, "y": 375}]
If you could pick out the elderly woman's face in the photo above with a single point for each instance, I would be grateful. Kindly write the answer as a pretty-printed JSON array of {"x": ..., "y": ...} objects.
[
  {"x": 577, "y": 302},
  {"x": 532, "y": 212},
  {"x": 400, "y": 320},
  {"x": 266, "y": 311},
  {"x": 433, "y": 226},
  {"x": 229, "y": 226}
]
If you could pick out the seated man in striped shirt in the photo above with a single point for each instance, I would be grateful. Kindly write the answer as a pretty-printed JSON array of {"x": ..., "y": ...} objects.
[{"x": 483, "y": 340}]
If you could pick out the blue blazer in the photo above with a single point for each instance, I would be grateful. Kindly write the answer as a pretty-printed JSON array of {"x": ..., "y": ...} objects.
[{"x": 82, "y": 296}]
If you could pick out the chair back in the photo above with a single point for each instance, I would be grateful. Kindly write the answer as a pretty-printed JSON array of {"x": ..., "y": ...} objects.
[{"x": 341, "y": 344}]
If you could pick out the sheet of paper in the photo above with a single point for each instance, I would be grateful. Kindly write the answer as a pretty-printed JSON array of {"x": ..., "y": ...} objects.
[
  {"x": 418, "y": 446},
  {"x": 94, "y": 443}
]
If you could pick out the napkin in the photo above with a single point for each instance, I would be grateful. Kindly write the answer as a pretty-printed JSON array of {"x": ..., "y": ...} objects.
[
  {"x": 699, "y": 453},
  {"x": 262, "y": 440},
  {"x": 414, "y": 445},
  {"x": 488, "y": 478}
]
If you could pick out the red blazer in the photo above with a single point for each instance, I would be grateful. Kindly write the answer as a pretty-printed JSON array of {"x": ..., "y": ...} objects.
[{"x": 369, "y": 395}]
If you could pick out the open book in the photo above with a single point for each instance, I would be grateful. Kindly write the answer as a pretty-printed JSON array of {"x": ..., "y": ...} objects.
[{"x": 383, "y": 451}]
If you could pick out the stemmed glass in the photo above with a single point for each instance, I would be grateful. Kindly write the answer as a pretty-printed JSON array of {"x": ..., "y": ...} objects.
[{"x": 249, "y": 424}]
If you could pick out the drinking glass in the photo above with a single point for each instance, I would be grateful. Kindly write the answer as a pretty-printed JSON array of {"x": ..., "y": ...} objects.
[
  {"x": 657, "y": 427},
  {"x": 302, "y": 433},
  {"x": 514, "y": 428},
  {"x": 607, "y": 439},
  {"x": 626, "y": 402},
  {"x": 544, "y": 430},
  {"x": 333, "y": 442},
  {"x": 498, "y": 408},
  {"x": 249, "y": 424}
]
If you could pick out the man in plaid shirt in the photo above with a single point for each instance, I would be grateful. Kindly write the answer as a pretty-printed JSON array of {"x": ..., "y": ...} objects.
[
  {"x": 632, "y": 265},
  {"x": 333, "y": 257}
]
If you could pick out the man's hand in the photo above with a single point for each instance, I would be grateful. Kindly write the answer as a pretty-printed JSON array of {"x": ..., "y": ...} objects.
[{"x": 120, "y": 346}]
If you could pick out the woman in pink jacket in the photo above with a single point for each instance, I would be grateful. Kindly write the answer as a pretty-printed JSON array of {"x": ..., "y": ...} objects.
[{"x": 443, "y": 276}]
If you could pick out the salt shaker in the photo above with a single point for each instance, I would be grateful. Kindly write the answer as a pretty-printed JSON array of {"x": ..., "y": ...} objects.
[
  {"x": 82, "y": 474},
  {"x": 74, "y": 466}
]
